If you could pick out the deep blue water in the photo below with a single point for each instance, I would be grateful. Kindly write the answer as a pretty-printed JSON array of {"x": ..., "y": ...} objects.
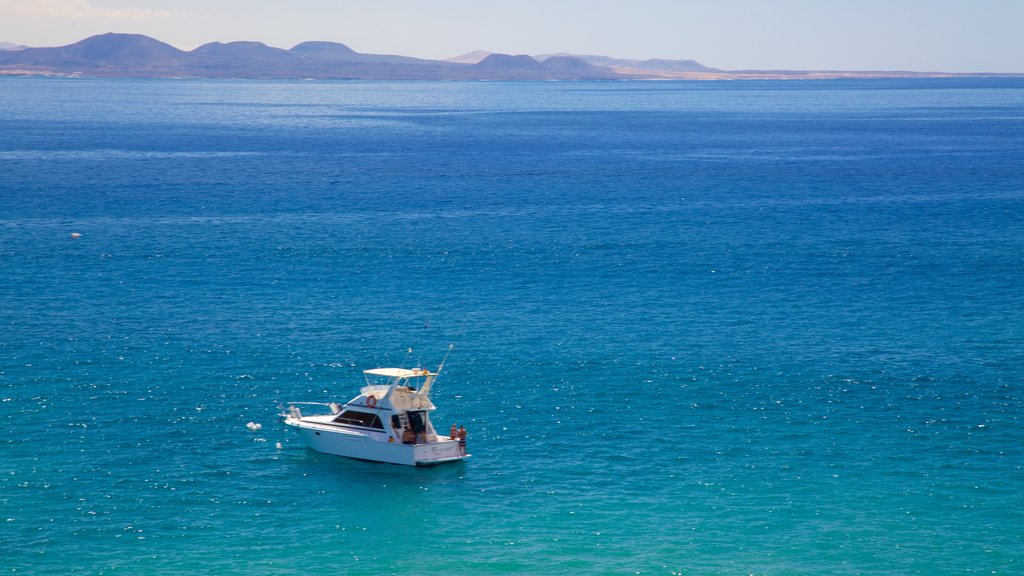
[{"x": 700, "y": 328}]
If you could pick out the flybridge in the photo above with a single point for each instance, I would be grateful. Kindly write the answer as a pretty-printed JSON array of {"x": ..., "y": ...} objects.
[{"x": 400, "y": 381}]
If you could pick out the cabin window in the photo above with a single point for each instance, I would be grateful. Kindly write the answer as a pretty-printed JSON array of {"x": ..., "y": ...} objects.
[{"x": 356, "y": 418}]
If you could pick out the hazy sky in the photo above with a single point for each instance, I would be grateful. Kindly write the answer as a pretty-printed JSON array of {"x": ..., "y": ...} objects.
[{"x": 939, "y": 35}]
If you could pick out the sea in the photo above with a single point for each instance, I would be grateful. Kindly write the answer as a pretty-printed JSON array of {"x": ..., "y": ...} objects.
[{"x": 721, "y": 327}]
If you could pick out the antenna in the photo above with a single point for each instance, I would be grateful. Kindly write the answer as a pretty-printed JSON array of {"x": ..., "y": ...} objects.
[
  {"x": 450, "y": 348},
  {"x": 425, "y": 390}
]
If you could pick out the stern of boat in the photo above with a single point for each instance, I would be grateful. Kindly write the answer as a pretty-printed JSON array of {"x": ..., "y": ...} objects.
[{"x": 439, "y": 452}]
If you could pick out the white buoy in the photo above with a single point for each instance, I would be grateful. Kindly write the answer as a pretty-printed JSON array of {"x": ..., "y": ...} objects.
[
  {"x": 253, "y": 426},
  {"x": 75, "y": 235},
  {"x": 278, "y": 446}
]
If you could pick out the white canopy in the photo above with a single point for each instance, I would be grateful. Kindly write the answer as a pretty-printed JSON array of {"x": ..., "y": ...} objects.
[{"x": 400, "y": 372}]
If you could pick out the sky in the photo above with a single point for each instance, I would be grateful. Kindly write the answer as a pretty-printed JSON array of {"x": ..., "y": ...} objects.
[{"x": 921, "y": 35}]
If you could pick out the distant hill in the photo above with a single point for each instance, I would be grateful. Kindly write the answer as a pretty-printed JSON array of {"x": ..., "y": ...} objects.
[
  {"x": 120, "y": 50},
  {"x": 508, "y": 66},
  {"x": 653, "y": 65},
  {"x": 523, "y": 67},
  {"x": 622, "y": 66},
  {"x": 103, "y": 55},
  {"x": 633, "y": 67},
  {"x": 571, "y": 65},
  {"x": 241, "y": 51},
  {"x": 335, "y": 52},
  {"x": 325, "y": 50},
  {"x": 470, "y": 57},
  {"x": 241, "y": 59},
  {"x": 11, "y": 46}
]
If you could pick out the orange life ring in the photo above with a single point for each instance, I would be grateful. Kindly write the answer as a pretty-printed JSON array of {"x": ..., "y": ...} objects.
[{"x": 371, "y": 401}]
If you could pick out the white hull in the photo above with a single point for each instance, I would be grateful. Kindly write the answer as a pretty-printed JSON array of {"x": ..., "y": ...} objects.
[{"x": 372, "y": 445}]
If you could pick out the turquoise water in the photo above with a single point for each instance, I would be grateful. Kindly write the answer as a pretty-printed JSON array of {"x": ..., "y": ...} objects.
[{"x": 700, "y": 328}]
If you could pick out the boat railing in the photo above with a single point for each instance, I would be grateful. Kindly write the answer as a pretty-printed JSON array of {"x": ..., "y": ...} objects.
[{"x": 296, "y": 413}]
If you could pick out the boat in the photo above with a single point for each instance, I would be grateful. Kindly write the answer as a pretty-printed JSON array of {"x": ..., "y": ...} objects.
[{"x": 388, "y": 422}]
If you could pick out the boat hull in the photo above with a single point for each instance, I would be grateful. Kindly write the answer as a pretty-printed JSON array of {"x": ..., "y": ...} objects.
[{"x": 374, "y": 446}]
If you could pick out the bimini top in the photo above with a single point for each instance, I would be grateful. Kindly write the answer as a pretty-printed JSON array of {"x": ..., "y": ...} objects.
[{"x": 400, "y": 372}]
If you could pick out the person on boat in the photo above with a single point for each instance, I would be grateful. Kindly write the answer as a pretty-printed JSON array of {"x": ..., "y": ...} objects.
[
  {"x": 408, "y": 437},
  {"x": 462, "y": 440},
  {"x": 454, "y": 433}
]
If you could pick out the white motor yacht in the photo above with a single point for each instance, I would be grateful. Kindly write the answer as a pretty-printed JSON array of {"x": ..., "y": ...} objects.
[{"x": 388, "y": 422}]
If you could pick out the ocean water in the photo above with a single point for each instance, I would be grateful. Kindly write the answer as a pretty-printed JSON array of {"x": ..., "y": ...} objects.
[{"x": 700, "y": 328}]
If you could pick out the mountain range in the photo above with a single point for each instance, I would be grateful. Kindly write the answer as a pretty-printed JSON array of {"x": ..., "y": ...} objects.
[
  {"x": 138, "y": 56},
  {"x": 135, "y": 55}
]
